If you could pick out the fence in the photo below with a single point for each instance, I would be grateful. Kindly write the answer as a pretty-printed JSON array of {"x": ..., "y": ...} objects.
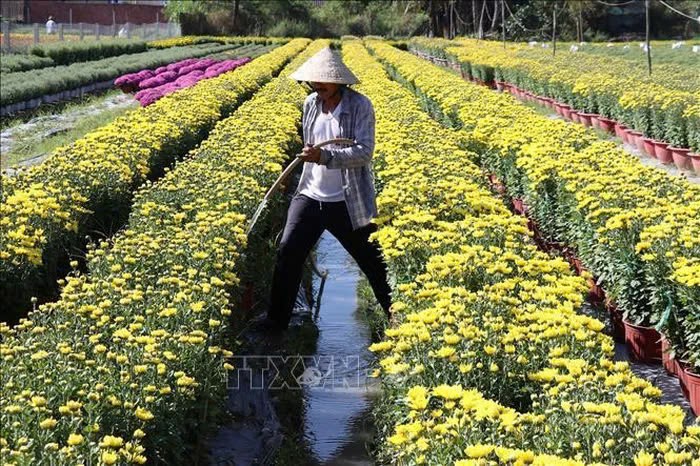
[{"x": 19, "y": 37}]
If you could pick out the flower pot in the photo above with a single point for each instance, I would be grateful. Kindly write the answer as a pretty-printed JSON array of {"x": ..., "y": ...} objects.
[
  {"x": 595, "y": 120},
  {"x": 607, "y": 125},
  {"x": 667, "y": 359},
  {"x": 566, "y": 111},
  {"x": 632, "y": 136},
  {"x": 620, "y": 131},
  {"x": 644, "y": 343},
  {"x": 639, "y": 142},
  {"x": 695, "y": 162},
  {"x": 574, "y": 116},
  {"x": 616, "y": 323},
  {"x": 680, "y": 157},
  {"x": 499, "y": 85},
  {"x": 518, "y": 206},
  {"x": 596, "y": 294},
  {"x": 648, "y": 145},
  {"x": 683, "y": 377},
  {"x": 692, "y": 382},
  {"x": 585, "y": 119},
  {"x": 662, "y": 153}
]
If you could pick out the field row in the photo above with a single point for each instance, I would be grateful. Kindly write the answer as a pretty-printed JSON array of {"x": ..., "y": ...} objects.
[
  {"x": 664, "y": 106},
  {"x": 129, "y": 364},
  {"x": 489, "y": 355},
  {"x": 46, "y": 209}
]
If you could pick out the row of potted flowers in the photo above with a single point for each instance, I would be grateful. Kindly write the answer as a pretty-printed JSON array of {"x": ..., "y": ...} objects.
[
  {"x": 487, "y": 355},
  {"x": 666, "y": 153},
  {"x": 587, "y": 194},
  {"x": 664, "y": 106},
  {"x": 130, "y": 364},
  {"x": 683, "y": 158},
  {"x": 45, "y": 208}
]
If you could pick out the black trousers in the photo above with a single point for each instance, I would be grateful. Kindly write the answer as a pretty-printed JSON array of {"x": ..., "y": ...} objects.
[{"x": 307, "y": 219}]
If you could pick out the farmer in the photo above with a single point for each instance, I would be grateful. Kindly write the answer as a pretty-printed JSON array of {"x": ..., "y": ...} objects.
[
  {"x": 50, "y": 25},
  {"x": 336, "y": 189}
]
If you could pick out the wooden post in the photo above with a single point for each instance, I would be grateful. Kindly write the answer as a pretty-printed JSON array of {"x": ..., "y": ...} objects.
[
  {"x": 70, "y": 17},
  {"x": 97, "y": 31},
  {"x": 6, "y": 35},
  {"x": 554, "y": 30},
  {"x": 60, "y": 32},
  {"x": 36, "y": 33},
  {"x": 503, "y": 22},
  {"x": 82, "y": 31},
  {"x": 646, "y": 7}
]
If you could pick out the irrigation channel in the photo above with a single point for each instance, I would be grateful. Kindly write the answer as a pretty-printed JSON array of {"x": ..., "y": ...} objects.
[{"x": 332, "y": 381}]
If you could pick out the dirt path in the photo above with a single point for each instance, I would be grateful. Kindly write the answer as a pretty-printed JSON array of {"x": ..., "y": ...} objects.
[{"x": 46, "y": 126}]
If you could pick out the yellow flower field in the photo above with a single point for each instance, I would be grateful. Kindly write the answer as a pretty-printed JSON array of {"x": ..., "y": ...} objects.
[
  {"x": 123, "y": 365},
  {"x": 44, "y": 209},
  {"x": 487, "y": 361}
]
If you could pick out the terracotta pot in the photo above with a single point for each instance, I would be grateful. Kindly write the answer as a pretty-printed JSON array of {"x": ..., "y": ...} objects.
[
  {"x": 632, "y": 136},
  {"x": 683, "y": 377},
  {"x": 574, "y": 116},
  {"x": 662, "y": 153},
  {"x": 566, "y": 111},
  {"x": 644, "y": 343},
  {"x": 695, "y": 162},
  {"x": 596, "y": 294},
  {"x": 585, "y": 119},
  {"x": 680, "y": 157},
  {"x": 648, "y": 145},
  {"x": 595, "y": 120},
  {"x": 499, "y": 85},
  {"x": 606, "y": 124},
  {"x": 669, "y": 362},
  {"x": 518, "y": 206},
  {"x": 616, "y": 323},
  {"x": 620, "y": 131},
  {"x": 639, "y": 142},
  {"x": 692, "y": 382}
]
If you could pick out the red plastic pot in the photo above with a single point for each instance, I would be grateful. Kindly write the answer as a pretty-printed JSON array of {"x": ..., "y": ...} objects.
[
  {"x": 618, "y": 327},
  {"x": 519, "y": 206},
  {"x": 585, "y": 119},
  {"x": 566, "y": 111},
  {"x": 632, "y": 136},
  {"x": 669, "y": 362},
  {"x": 692, "y": 383},
  {"x": 695, "y": 161},
  {"x": 596, "y": 294},
  {"x": 620, "y": 131},
  {"x": 680, "y": 157},
  {"x": 644, "y": 343},
  {"x": 606, "y": 124},
  {"x": 662, "y": 152},
  {"x": 648, "y": 145}
]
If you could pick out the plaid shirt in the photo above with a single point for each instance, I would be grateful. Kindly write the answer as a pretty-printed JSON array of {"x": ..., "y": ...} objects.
[{"x": 356, "y": 121}]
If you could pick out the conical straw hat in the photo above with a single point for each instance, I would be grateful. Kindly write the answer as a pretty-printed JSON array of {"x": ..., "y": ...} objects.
[{"x": 325, "y": 67}]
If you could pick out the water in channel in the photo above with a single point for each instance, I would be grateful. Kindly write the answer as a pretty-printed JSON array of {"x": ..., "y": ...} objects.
[{"x": 339, "y": 392}]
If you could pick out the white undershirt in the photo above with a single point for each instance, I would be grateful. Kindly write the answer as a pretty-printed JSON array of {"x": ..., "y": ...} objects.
[{"x": 321, "y": 183}]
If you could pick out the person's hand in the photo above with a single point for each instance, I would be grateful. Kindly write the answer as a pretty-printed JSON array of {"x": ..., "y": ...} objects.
[{"x": 310, "y": 154}]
